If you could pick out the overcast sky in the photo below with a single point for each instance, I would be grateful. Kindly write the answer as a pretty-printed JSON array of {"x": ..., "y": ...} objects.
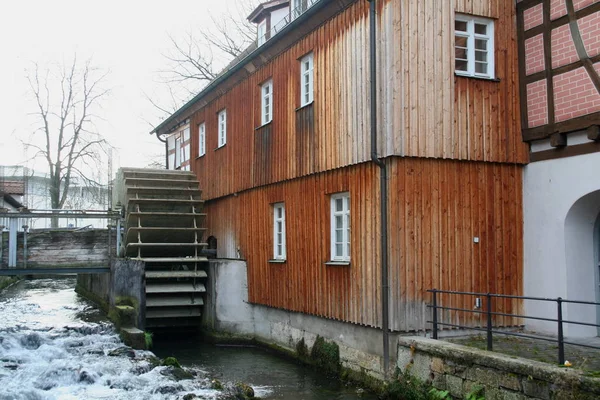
[{"x": 126, "y": 37}]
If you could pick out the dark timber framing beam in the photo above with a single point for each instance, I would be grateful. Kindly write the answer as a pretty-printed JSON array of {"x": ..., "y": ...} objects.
[{"x": 553, "y": 129}]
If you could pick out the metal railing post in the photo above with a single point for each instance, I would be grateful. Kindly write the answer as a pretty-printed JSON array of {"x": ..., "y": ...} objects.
[
  {"x": 489, "y": 322},
  {"x": 561, "y": 344},
  {"x": 25, "y": 227},
  {"x": 118, "y": 236},
  {"x": 435, "y": 315}
]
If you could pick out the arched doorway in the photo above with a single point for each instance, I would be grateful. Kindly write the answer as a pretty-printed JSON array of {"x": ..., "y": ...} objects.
[{"x": 582, "y": 251}]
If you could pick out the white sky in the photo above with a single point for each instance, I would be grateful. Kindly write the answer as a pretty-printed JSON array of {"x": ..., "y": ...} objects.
[{"x": 126, "y": 37}]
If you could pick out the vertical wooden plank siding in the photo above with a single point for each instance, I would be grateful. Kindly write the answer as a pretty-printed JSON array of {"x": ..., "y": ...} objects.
[
  {"x": 436, "y": 208},
  {"x": 424, "y": 110},
  {"x": 244, "y": 223}
]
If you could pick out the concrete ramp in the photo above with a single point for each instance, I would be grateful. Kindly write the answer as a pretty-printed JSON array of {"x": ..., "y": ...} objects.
[{"x": 164, "y": 227}]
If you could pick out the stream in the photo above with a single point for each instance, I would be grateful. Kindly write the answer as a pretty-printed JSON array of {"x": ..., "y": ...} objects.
[{"x": 56, "y": 345}]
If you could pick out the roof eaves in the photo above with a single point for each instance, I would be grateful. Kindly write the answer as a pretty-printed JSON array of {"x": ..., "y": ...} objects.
[{"x": 239, "y": 65}]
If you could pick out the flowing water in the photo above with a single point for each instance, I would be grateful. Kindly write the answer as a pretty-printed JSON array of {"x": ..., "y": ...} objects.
[{"x": 56, "y": 345}]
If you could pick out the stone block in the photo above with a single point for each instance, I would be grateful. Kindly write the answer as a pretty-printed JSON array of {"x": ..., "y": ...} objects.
[
  {"x": 133, "y": 337},
  {"x": 454, "y": 385},
  {"x": 536, "y": 388},
  {"x": 510, "y": 381},
  {"x": 437, "y": 365},
  {"x": 509, "y": 395},
  {"x": 439, "y": 381},
  {"x": 486, "y": 377}
]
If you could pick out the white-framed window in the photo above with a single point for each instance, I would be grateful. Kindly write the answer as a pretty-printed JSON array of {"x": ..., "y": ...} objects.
[
  {"x": 306, "y": 80},
  {"x": 186, "y": 134},
  {"x": 177, "y": 150},
  {"x": 222, "y": 119},
  {"x": 279, "y": 248},
  {"x": 261, "y": 32},
  {"x": 266, "y": 101},
  {"x": 340, "y": 227},
  {"x": 201, "y": 139},
  {"x": 474, "y": 46}
]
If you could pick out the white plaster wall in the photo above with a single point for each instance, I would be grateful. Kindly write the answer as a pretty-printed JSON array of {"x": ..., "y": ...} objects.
[
  {"x": 227, "y": 310},
  {"x": 558, "y": 235},
  {"x": 276, "y": 17}
]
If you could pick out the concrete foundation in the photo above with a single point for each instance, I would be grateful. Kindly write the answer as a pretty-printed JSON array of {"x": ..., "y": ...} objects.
[
  {"x": 125, "y": 285},
  {"x": 227, "y": 311}
]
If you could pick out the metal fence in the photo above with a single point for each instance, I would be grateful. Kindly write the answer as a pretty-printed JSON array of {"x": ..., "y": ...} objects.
[{"x": 490, "y": 313}]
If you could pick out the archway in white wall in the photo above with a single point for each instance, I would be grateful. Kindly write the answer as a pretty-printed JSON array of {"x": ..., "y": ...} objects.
[{"x": 582, "y": 247}]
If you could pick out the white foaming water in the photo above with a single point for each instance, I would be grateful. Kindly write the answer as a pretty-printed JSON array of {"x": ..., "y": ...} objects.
[{"x": 48, "y": 352}]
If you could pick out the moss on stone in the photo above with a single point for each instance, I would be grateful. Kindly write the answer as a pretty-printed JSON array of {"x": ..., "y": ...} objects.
[
  {"x": 170, "y": 362},
  {"x": 246, "y": 389},
  {"x": 6, "y": 281},
  {"x": 302, "y": 349},
  {"x": 94, "y": 298},
  {"x": 326, "y": 355}
]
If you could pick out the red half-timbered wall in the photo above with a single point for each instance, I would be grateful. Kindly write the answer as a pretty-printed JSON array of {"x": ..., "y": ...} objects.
[{"x": 559, "y": 45}]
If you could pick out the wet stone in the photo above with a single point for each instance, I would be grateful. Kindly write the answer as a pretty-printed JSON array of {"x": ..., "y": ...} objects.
[{"x": 122, "y": 352}]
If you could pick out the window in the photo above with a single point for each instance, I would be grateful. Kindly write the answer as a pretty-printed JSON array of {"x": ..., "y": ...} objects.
[
  {"x": 306, "y": 80},
  {"x": 201, "y": 139},
  {"x": 186, "y": 134},
  {"x": 266, "y": 94},
  {"x": 340, "y": 227},
  {"x": 222, "y": 118},
  {"x": 474, "y": 46},
  {"x": 279, "y": 231},
  {"x": 261, "y": 31}
]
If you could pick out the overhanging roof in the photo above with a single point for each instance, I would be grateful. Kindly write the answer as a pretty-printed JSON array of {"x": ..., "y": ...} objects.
[{"x": 254, "y": 57}]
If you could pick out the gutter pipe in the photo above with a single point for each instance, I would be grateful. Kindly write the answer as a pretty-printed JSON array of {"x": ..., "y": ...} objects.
[{"x": 382, "y": 189}]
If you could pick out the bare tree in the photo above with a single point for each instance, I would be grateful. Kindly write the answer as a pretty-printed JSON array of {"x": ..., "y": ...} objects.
[
  {"x": 66, "y": 97},
  {"x": 197, "y": 57}
]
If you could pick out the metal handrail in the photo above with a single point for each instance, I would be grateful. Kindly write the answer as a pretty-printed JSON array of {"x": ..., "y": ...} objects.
[{"x": 560, "y": 340}]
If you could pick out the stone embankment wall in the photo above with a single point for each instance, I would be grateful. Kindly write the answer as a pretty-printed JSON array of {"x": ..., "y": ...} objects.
[
  {"x": 61, "y": 248},
  {"x": 460, "y": 369}
]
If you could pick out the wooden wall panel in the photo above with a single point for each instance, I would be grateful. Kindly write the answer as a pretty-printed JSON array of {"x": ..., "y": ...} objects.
[
  {"x": 436, "y": 208},
  {"x": 423, "y": 109},
  {"x": 244, "y": 224}
]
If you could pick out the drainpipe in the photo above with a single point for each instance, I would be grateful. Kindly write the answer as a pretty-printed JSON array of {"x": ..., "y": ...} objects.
[
  {"x": 166, "y": 150},
  {"x": 385, "y": 323}
]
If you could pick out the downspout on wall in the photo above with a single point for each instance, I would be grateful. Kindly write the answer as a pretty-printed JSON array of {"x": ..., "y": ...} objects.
[
  {"x": 166, "y": 150},
  {"x": 382, "y": 188}
]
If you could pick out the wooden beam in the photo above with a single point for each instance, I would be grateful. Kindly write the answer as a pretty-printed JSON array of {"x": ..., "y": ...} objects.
[
  {"x": 568, "y": 151},
  {"x": 558, "y": 140},
  {"x": 572, "y": 125},
  {"x": 593, "y": 133}
]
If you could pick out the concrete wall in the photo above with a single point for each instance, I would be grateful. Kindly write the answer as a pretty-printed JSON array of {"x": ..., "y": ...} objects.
[
  {"x": 459, "y": 369},
  {"x": 125, "y": 285},
  {"x": 561, "y": 201},
  {"x": 227, "y": 310}
]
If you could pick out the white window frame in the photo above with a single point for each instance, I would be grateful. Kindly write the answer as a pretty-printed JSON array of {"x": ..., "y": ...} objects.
[
  {"x": 261, "y": 32},
  {"x": 266, "y": 102},
  {"x": 279, "y": 240},
  {"x": 222, "y": 131},
  {"x": 306, "y": 80},
  {"x": 345, "y": 227},
  {"x": 178, "y": 150},
  {"x": 471, "y": 36},
  {"x": 201, "y": 139}
]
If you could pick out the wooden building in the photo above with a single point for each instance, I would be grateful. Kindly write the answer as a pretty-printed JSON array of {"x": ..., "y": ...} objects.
[
  {"x": 281, "y": 145},
  {"x": 559, "y": 47}
]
